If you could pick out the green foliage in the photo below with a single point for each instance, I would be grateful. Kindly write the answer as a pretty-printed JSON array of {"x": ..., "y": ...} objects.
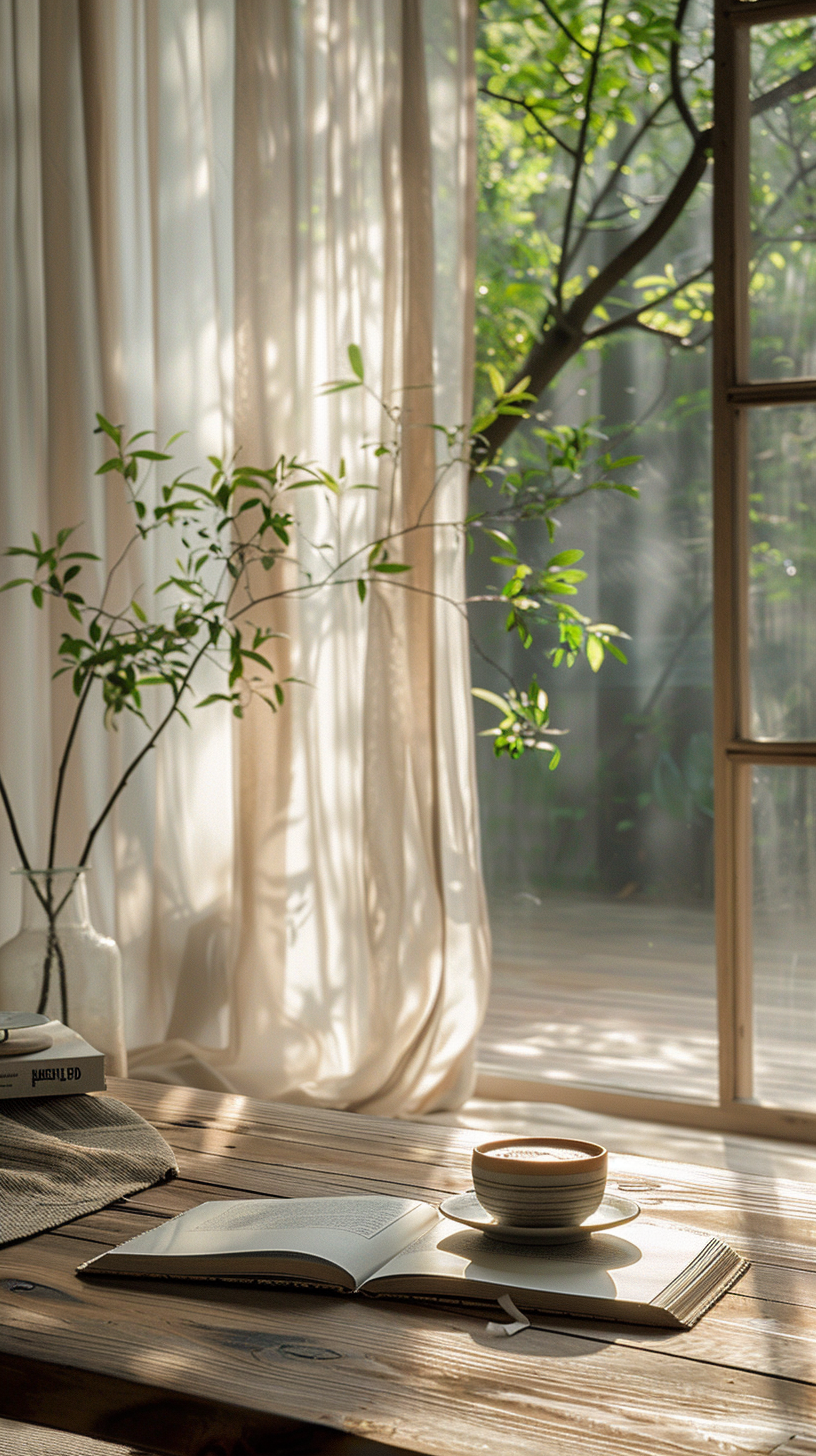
[
  {"x": 595, "y": 127},
  {"x": 524, "y": 724},
  {"x": 585, "y": 116},
  {"x": 783, "y": 197},
  {"x": 571, "y": 463},
  {"x": 235, "y": 533}
]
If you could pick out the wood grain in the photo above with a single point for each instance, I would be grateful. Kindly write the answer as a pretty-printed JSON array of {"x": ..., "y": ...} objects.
[{"x": 260, "y": 1370}]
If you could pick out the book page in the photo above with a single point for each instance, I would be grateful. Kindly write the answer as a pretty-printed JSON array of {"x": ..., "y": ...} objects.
[
  {"x": 261, "y": 1235},
  {"x": 631, "y": 1266}
]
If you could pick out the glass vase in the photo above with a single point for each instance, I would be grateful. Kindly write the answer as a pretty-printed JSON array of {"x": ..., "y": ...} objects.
[{"x": 59, "y": 965}]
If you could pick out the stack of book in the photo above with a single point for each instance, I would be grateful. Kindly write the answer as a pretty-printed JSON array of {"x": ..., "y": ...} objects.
[{"x": 43, "y": 1058}]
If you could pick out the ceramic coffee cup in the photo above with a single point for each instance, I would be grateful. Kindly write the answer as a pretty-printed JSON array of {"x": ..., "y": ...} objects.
[{"x": 539, "y": 1182}]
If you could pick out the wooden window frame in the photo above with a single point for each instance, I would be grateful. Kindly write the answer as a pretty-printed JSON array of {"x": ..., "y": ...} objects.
[{"x": 734, "y": 394}]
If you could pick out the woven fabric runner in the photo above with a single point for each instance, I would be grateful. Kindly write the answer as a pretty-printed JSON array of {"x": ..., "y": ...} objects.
[{"x": 63, "y": 1157}]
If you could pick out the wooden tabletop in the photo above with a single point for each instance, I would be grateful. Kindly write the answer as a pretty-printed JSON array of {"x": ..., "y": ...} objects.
[{"x": 198, "y": 1370}]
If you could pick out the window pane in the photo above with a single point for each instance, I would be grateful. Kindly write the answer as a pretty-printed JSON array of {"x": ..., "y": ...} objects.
[
  {"x": 783, "y": 200},
  {"x": 600, "y": 874},
  {"x": 782, "y": 485},
  {"x": 784, "y": 815}
]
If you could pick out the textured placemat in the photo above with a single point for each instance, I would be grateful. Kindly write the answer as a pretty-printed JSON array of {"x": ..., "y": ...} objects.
[
  {"x": 63, "y": 1157},
  {"x": 18, "y": 1439}
]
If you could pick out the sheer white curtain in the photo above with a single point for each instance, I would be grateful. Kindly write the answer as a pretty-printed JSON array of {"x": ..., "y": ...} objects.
[{"x": 202, "y": 205}]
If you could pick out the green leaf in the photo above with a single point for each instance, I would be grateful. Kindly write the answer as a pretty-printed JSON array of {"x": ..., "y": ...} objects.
[
  {"x": 361, "y": 588},
  {"x": 256, "y": 657},
  {"x": 502, "y": 539},
  {"x": 488, "y": 697},
  {"x": 137, "y": 611},
  {"x": 594, "y": 651},
  {"x": 616, "y": 652},
  {"x": 565, "y": 558},
  {"x": 391, "y": 567},
  {"x": 113, "y": 431},
  {"x": 18, "y": 581},
  {"x": 496, "y": 381},
  {"x": 212, "y": 698},
  {"x": 335, "y": 388},
  {"x": 355, "y": 359},
  {"x": 37, "y": 596},
  {"x": 113, "y": 464},
  {"x": 150, "y": 455}
]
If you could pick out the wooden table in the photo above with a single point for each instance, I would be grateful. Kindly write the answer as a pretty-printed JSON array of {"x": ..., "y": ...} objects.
[{"x": 199, "y": 1370}]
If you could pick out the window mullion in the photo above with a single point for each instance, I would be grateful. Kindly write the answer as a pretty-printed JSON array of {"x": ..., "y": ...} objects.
[{"x": 732, "y": 781}]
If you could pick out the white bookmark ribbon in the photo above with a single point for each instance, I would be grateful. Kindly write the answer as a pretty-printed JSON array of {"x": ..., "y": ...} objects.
[{"x": 519, "y": 1320}]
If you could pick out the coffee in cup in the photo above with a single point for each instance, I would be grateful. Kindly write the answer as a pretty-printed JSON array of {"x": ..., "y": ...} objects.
[{"x": 539, "y": 1182}]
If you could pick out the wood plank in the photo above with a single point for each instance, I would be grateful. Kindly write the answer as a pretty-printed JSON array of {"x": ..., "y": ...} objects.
[
  {"x": 759, "y": 1326},
  {"x": 288, "y": 1158},
  {"x": 429, "y": 1379},
  {"x": 177, "y": 1107},
  {"x": 423, "y": 1378},
  {"x": 115, "y": 1409}
]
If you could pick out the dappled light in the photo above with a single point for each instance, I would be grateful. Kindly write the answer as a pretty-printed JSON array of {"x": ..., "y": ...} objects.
[{"x": 619, "y": 995}]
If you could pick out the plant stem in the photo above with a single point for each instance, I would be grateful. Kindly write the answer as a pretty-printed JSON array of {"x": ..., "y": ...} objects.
[
  {"x": 63, "y": 978},
  {"x": 52, "y": 843},
  {"x": 46, "y": 980},
  {"x": 97, "y": 825},
  {"x": 13, "y": 825}
]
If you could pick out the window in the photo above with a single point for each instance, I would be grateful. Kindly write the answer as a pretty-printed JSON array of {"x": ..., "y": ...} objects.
[
  {"x": 764, "y": 405},
  {"x": 742, "y": 1059}
]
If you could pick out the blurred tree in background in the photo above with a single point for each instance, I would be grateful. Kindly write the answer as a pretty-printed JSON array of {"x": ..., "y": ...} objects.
[{"x": 594, "y": 288}]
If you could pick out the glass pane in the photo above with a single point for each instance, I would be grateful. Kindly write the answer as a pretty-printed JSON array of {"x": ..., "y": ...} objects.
[
  {"x": 600, "y": 874},
  {"x": 783, "y": 200},
  {"x": 782, "y": 613},
  {"x": 784, "y": 814}
]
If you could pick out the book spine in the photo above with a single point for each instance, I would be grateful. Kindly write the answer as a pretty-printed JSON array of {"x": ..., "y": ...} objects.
[{"x": 57, "y": 1078}]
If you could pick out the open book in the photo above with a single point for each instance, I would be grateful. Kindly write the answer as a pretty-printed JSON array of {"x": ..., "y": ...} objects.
[
  {"x": 650, "y": 1274},
  {"x": 395, "y": 1247}
]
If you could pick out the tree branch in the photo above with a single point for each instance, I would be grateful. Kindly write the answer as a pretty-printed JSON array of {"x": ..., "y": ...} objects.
[
  {"x": 676, "y": 83},
  {"x": 530, "y": 109},
  {"x": 615, "y": 174},
  {"x": 580, "y": 153},
  {"x": 802, "y": 81},
  {"x": 553, "y": 14},
  {"x": 633, "y": 316},
  {"x": 549, "y": 354}
]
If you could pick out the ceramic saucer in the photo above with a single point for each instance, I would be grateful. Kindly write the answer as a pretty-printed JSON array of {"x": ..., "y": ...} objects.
[{"x": 465, "y": 1208}]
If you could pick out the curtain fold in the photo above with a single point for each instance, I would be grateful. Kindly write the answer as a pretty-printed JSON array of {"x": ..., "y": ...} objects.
[{"x": 203, "y": 204}]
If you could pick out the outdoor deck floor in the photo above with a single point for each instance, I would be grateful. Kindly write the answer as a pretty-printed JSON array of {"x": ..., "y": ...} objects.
[{"x": 622, "y": 994}]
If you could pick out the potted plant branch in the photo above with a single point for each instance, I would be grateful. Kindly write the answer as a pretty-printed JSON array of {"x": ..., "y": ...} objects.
[{"x": 236, "y": 534}]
